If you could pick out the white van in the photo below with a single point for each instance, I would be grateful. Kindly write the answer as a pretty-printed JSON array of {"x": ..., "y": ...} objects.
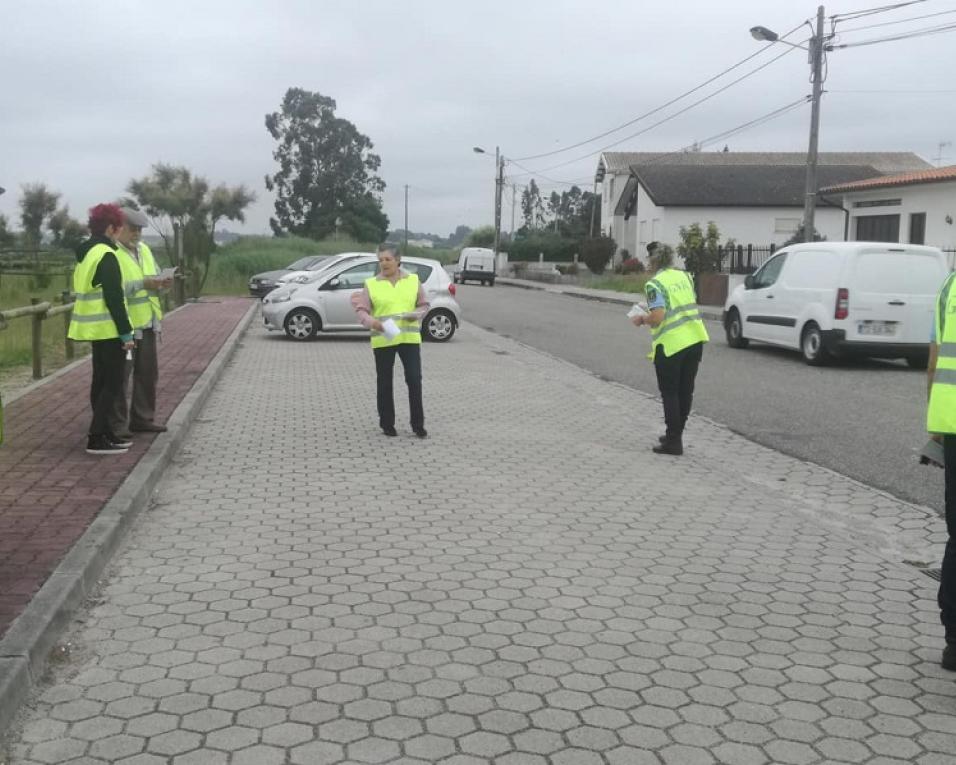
[
  {"x": 829, "y": 299},
  {"x": 476, "y": 264}
]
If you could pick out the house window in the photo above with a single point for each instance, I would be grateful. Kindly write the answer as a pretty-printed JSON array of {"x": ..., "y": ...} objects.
[
  {"x": 786, "y": 226},
  {"x": 610, "y": 193},
  {"x": 878, "y": 228},
  {"x": 642, "y": 238},
  {"x": 918, "y": 228}
]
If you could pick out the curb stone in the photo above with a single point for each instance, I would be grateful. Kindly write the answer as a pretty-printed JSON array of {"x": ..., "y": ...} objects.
[
  {"x": 712, "y": 313},
  {"x": 30, "y": 639}
]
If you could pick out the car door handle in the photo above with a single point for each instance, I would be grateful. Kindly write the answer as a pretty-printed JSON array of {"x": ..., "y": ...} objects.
[{"x": 896, "y": 302}]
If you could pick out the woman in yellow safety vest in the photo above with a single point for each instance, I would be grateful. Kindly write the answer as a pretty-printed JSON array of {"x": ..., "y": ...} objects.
[
  {"x": 101, "y": 318},
  {"x": 678, "y": 336},
  {"x": 941, "y": 422},
  {"x": 391, "y": 304}
]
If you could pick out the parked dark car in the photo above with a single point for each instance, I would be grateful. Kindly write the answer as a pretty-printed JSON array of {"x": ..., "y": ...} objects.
[{"x": 262, "y": 284}]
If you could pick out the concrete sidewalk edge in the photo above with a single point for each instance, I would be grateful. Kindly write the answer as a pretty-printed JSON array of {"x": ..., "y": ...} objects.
[
  {"x": 713, "y": 313},
  {"x": 25, "y": 648}
]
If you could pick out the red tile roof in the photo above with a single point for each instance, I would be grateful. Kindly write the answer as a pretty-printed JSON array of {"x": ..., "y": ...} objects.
[{"x": 933, "y": 175}]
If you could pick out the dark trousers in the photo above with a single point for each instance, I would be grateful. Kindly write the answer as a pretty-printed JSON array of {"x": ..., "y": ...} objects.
[
  {"x": 411, "y": 356},
  {"x": 675, "y": 380},
  {"x": 947, "y": 583},
  {"x": 109, "y": 368},
  {"x": 144, "y": 369}
]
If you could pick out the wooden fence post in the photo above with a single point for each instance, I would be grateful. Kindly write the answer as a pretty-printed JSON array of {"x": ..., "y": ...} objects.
[
  {"x": 67, "y": 343},
  {"x": 36, "y": 320}
]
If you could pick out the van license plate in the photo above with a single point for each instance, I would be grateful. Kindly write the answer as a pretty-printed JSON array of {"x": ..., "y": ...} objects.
[{"x": 878, "y": 328}]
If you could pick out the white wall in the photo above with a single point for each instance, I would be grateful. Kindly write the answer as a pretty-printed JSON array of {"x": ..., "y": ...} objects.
[{"x": 937, "y": 200}]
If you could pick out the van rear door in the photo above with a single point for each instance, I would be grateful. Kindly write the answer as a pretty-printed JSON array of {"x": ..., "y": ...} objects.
[{"x": 891, "y": 294}]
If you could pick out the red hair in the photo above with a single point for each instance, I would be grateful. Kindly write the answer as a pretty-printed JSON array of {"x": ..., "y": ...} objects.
[{"x": 103, "y": 216}]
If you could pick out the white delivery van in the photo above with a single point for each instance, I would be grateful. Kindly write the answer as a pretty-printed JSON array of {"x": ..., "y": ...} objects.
[
  {"x": 831, "y": 299},
  {"x": 476, "y": 264}
]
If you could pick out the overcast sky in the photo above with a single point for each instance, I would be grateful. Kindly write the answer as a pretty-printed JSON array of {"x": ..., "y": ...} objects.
[{"x": 95, "y": 92}]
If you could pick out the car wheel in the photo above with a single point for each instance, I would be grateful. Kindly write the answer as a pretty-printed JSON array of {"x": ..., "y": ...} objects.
[
  {"x": 491, "y": 282},
  {"x": 734, "y": 327},
  {"x": 811, "y": 345},
  {"x": 302, "y": 324},
  {"x": 439, "y": 326},
  {"x": 918, "y": 361}
]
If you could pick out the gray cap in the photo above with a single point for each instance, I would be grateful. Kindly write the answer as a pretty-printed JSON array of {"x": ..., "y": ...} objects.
[{"x": 135, "y": 217}]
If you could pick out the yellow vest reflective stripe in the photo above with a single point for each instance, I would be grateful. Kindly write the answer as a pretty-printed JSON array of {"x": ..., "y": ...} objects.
[
  {"x": 941, "y": 412},
  {"x": 389, "y": 301},
  {"x": 91, "y": 318},
  {"x": 682, "y": 326},
  {"x": 151, "y": 269},
  {"x": 137, "y": 299}
]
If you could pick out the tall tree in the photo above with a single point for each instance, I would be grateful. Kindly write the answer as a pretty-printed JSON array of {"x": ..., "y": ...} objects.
[
  {"x": 7, "y": 237},
  {"x": 68, "y": 233},
  {"x": 532, "y": 208},
  {"x": 177, "y": 200},
  {"x": 37, "y": 204},
  {"x": 327, "y": 172}
]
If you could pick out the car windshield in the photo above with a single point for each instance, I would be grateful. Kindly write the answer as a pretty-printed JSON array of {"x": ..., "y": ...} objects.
[{"x": 301, "y": 264}]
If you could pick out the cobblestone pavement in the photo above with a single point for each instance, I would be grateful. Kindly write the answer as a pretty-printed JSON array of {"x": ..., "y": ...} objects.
[
  {"x": 46, "y": 498},
  {"x": 529, "y": 585}
]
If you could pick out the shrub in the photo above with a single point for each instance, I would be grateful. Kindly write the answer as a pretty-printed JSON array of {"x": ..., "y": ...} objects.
[
  {"x": 598, "y": 253},
  {"x": 632, "y": 266}
]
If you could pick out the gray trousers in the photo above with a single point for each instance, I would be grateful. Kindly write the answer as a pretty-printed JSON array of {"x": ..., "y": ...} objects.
[{"x": 144, "y": 369}]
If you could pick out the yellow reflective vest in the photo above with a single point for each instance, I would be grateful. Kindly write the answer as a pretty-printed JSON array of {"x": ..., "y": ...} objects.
[
  {"x": 391, "y": 301},
  {"x": 142, "y": 304},
  {"x": 682, "y": 326},
  {"x": 941, "y": 412},
  {"x": 91, "y": 318}
]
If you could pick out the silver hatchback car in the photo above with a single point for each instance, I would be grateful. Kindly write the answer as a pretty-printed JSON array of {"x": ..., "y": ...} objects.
[{"x": 325, "y": 304}]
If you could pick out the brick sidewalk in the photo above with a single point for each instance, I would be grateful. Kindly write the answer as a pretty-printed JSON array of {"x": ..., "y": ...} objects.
[{"x": 46, "y": 503}]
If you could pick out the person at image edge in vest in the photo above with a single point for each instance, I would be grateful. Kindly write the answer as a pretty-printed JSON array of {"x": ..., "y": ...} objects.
[
  {"x": 941, "y": 423},
  {"x": 397, "y": 295},
  {"x": 100, "y": 318},
  {"x": 142, "y": 301},
  {"x": 678, "y": 336}
]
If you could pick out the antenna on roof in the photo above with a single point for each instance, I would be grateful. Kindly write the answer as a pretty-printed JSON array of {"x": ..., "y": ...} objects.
[{"x": 939, "y": 151}]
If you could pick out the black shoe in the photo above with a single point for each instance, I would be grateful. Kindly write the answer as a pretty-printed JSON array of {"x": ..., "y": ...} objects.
[
  {"x": 102, "y": 445},
  {"x": 121, "y": 441},
  {"x": 676, "y": 448},
  {"x": 949, "y": 657},
  {"x": 389, "y": 430},
  {"x": 421, "y": 432}
]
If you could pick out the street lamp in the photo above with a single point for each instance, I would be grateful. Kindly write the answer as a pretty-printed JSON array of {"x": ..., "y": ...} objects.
[
  {"x": 499, "y": 186},
  {"x": 815, "y": 49}
]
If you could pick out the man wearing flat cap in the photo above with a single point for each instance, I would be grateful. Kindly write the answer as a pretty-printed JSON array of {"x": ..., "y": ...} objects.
[{"x": 142, "y": 285}]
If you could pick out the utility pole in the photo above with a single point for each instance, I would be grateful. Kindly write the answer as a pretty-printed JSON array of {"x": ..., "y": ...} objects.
[
  {"x": 816, "y": 65},
  {"x": 514, "y": 194},
  {"x": 499, "y": 185},
  {"x": 406, "y": 220},
  {"x": 593, "y": 206},
  {"x": 938, "y": 158}
]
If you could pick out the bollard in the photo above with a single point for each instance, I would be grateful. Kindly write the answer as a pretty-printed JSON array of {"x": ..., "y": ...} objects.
[
  {"x": 36, "y": 320},
  {"x": 67, "y": 343}
]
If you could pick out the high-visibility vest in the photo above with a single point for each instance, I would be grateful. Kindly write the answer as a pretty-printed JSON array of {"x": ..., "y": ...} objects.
[
  {"x": 941, "y": 412},
  {"x": 137, "y": 299},
  {"x": 389, "y": 301},
  {"x": 150, "y": 269},
  {"x": 91, "y": 318},
  {"x": 682, "y": 326}
]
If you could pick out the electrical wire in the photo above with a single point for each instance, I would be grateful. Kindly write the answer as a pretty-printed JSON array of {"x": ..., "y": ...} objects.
[
  {"x": 662, "y": 106},
  {"x": 872, "y": 11},
  {"x": 898, "y": 21},
  {"x": 902, "y": 36},
  {"x": 665, "y": 119}
]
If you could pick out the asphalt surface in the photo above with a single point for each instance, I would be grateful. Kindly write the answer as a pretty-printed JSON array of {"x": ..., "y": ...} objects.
[{"x": 862, "y": 418}]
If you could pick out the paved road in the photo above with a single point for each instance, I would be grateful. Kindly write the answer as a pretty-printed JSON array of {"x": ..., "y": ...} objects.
[{"x": 863, "y": 419}]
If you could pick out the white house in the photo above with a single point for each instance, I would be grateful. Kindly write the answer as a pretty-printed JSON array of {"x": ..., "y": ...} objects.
[
  {"x": 753, "y": 197},
  {"x": 917, "y": 207}
]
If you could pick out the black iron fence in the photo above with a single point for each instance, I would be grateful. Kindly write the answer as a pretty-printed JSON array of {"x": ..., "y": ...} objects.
[{"x": 745, "y": 259}]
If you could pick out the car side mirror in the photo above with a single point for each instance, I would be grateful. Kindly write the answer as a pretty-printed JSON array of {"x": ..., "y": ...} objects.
[
  {"x": 749, "y": 282},
  {"x": 331, "y": 284}
]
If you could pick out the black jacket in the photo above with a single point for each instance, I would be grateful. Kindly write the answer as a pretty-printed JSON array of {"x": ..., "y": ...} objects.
[{"x": 110, "y": 278}]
